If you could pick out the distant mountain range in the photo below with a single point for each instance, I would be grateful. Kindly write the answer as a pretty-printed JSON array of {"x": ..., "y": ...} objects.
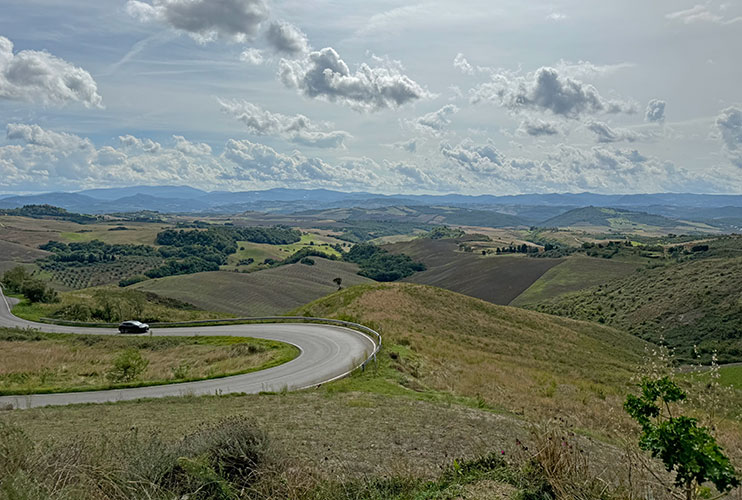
[{"x": 530, "y": 208}]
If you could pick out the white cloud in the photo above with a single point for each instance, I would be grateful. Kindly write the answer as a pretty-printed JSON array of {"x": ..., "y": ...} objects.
[
  {"x": 539, "y": 128},
  {"x": 702, "y": 13},
  {"x": 655, "y": 111},
  {"x": 409, "y": 145},
  {"x": 205, "y": 20},
  {"x": 546, "y": 90},
  {"x": 258, "y": 162},
  {"x": 296, "y": 128},
  {"x": 571, "y": 169},
  {"x": 191, "y": 148},
  {"x": 556, "y": 16},
  {"x": 436, "y": 121},
  {"x": 462, "y": 64},
  {"x": 287, "y": 39},
  {"x": 39, "y": 77},
  {"x": 252, "y": 56},
  {"x": 477, "y": 158},
  {"x": 606, "y": 134},
  {"x": 146, "y": 145},
  {"x": 324, "y": 75},
  {"x": 729, "y": 124}
]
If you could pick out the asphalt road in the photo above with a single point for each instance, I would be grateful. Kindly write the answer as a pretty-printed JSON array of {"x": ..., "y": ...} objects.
[{"x": 327, "y": 353}]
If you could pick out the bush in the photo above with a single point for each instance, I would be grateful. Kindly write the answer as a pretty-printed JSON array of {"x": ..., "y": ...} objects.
[
  {"x": 127, "y": 366},
  {"x": 307, "y": 261},
  {"x": 14, "y": 278},
  {"x": 37, "y": 291},
  {"x": 133, "y": 280},
  {"x": 683, "y": 446}
]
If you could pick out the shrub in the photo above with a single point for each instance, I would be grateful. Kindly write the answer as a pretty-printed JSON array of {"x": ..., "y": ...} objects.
[
  {"x": 37, "y": 291},
  {"x": 127, "y": 366},
  {"x": 132, "y": 280},
  {"x": 683, "y": 446},
  {"x": 307, "y": 261}
]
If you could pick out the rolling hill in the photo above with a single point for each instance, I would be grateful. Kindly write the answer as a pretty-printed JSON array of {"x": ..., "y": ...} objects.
[
  {"x": 698, "y": 302},
  {"x": 598, "y": 216},
  {"x": 521, "y": 360},
  {"x": 269, "y": 292},
  {"x": 497, "y": 279}
]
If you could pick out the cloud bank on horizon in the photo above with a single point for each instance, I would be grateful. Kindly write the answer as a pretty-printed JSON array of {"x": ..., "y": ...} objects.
[{"x": 386, "y": 96}]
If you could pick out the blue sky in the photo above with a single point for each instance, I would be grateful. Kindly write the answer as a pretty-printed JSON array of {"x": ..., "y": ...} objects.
[{"x": 436, "y": 96}]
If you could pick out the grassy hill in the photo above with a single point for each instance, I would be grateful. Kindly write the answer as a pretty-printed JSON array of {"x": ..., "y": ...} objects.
[
  {"x": 497, "y": 279},
  {"x": 267, "y": 292},
  {"x": 575, "y": 273},
  {"x": 512, "y": 358},
  {"x": 698, "y": 302}
]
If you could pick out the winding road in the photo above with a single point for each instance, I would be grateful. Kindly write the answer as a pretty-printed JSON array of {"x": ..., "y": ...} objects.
[{"x": 327, "y": 353}]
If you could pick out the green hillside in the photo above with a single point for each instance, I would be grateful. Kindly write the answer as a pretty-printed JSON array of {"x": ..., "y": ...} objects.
[
  {"x": 268, "y": 292},
  {"x": 698, "y": 302},
  {"x": 575, "y": 273},
  {"x": 626, "y": 221}
]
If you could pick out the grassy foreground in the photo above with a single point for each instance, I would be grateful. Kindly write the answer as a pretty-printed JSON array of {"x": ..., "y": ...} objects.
[
  {"x": 468, "y": 401},
  {"x": 36, "y": 362}
]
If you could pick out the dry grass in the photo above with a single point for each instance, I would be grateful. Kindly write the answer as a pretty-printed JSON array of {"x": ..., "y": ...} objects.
[
  {"x": 54, "y": 363},
  {"x": 533, "y": 364}
]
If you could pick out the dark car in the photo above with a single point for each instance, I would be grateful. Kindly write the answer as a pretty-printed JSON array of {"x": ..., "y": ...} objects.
[{"x": 133, "y": 327}]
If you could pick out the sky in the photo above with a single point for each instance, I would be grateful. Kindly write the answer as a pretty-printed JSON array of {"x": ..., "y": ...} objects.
[{"x": 474, "y": 97}]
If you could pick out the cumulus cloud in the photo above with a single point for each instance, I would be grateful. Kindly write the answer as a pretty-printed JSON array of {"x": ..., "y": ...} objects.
[
  {"x": 539, "y": 128},
  {"x": 38, "y": 158},
  {"x": 462, "y": 64},
  {"x": 435, "y": 121},
  {"x": 605, "y": 134},
  {"x": 191, "y": 148},
  {"x": 205, "y": 20},
  {"x": 252, "y": 56},
  {"x": 37, "y": 76},
  {"x": 410, "y": 145},
  {"x": 146, "y": 145},
  {"x": 296, "y": 128},
  {"x": 546, "y": 90},
  {"x": 413, "y": 175},
  {"x": 287, "y": 39},
  {"x": 655, "y": 111},
  {"x": 729, "y": 124},
  {"x": 570, "y": 169},
  {"x": 477, "y": 158},
  {"x": 258, "y": 162},
  {"x": 324, "y": 75}
]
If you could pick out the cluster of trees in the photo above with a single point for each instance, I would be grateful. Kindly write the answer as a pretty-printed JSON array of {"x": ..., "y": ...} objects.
[
  {"x": 228, "y": 236},
  {"x": 93, "y": 251},
  {"x": 188, "y": 252},
  {"x": 444, "y": 232},
  {"x": 380, "y": 265},
  {"x": 39, "y": 211},
  {"x": 524, "y": 248},
  {"x": 19, "y": 280}
]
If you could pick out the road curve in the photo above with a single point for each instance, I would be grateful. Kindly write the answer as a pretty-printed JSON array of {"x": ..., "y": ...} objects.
[{"x": 327, "y": 353}]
